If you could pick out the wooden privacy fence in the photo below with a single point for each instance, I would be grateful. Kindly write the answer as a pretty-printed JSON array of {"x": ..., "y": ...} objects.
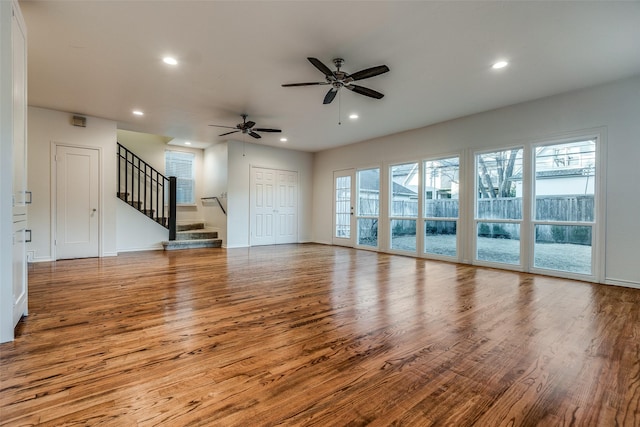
[{"x": 572, "y": 208}]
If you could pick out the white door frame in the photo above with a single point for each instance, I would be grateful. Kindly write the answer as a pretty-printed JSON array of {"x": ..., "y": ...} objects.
[{"x": 54, "y": 194}]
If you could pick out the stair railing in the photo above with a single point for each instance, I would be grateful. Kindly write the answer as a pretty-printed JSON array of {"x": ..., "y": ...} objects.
[
  {"x": 141, "y": 186},
  {"x": 217, "y": 200}
]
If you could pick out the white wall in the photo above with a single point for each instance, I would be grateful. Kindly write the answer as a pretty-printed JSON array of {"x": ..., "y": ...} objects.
[
  {"x": 136, "y": 232},
  {"x": 49, "y": 127},
  {"x": 242, "y": 156},
  {"x": 614, "y": 107},
  {"x": 215, "y": 184}
]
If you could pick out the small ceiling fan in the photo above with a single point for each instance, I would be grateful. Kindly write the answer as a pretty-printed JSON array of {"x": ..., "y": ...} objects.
[
  {"x": 246, "y": 127},
  {"x": 339, "y": 79}
]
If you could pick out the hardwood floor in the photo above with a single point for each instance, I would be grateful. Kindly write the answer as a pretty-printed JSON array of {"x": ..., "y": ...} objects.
[{"x": 317, "y": 335}]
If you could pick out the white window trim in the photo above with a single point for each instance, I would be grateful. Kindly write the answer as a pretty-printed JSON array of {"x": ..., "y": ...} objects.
[
  {"x": 598, "y": 230},
  {"x": 473, "y": 221}
]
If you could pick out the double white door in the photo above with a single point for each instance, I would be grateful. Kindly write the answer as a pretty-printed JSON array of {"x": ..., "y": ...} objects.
[{"x": 274, "y": 206}]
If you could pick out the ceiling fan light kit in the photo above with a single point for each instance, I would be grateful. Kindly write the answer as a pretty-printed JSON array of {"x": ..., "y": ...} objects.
[
  {"x": 338, "y": 79},
  {"x": 246, "y": 127}
]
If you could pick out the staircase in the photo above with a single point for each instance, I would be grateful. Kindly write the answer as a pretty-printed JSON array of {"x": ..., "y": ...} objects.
[
  {"x": 190, "y": 236},
  {"x": 152, "y": 194},
  {"x": 146, "y": 190}
]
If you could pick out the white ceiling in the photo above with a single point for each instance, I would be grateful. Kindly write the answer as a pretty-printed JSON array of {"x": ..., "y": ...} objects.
[{"x": 104, "y": 58}]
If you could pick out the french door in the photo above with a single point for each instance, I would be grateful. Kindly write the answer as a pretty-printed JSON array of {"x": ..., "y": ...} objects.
[{"x": 356, "y": 207}]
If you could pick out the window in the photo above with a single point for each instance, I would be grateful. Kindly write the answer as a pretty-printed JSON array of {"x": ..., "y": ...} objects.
[
  {"x": 441, "y": 189},
  {"x": 404, "y": 205},
  {"x": 181, "y": 165},
  {"x": 499, "y": 206},
  {"x": 564, "y": 206}
]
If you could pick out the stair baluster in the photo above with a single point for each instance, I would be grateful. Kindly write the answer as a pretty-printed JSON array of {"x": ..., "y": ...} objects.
[{"x": 140, "y": 183}]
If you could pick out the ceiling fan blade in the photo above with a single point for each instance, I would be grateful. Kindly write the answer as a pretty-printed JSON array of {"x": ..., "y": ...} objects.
[
  {"x": 304, "y": 84},
  {"x": 229, "y": 133},
  {"x": 228, "y": 127},
  {"x": 369, "y": 72},
  {"x": 320, "y": 66},
  {"x": 249, "y": 124},
  {"x": 330, "y": 95},
  {"x": 255, "y": 135},
  {"x": 364, "y": 91},
  {"x": 267, "y": 130}
]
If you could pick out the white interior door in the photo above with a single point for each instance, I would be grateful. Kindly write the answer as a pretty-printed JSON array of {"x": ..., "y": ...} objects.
[
  {"x": 343, "y": 207},
  {"x": 274, "y": 206},
  {"x": 77, "y": 196}
]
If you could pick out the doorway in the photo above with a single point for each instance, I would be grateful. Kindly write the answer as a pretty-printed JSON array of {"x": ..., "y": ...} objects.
[{"x": 77, "y": 202}]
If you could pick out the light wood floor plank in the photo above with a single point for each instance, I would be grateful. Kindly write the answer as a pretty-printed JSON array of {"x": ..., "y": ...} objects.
[{"x": 317, "y": 335}]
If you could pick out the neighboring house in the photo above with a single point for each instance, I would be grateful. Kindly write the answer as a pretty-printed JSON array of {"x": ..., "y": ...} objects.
[{"x": 563, "y": 171}]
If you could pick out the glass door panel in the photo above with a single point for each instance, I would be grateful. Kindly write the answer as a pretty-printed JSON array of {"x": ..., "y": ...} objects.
[{"x": 368, "y": 209}]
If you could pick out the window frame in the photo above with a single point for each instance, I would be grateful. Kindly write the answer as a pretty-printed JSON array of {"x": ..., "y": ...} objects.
[
  {"x": 598, "y": 135},
  {"x": 391, "y": 218},
  {"x": 522, "y": 222},
  {"x": 461, "y": 206},
  {"x": 359, "y": 215}
]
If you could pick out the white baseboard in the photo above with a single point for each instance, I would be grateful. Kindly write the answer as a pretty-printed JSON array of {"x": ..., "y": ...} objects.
[
  {"x": 625, "y": 283},
  {"x": 40, "y": 259}
]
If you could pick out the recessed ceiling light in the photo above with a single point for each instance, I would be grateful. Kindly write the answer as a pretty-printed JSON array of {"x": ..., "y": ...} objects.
[
  {"x": 138, "y": 113},
  {"x": 187, "y": 143},
  {"x": 353, "y": 116},
  {"x": 283, "y": 139},
  {"x": 499, "y": 64},
  {"x": 169, "y": 60}
]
